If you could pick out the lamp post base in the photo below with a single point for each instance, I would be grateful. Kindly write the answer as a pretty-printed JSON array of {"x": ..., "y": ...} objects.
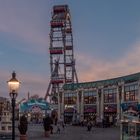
[{"x": 23, "y": 137}]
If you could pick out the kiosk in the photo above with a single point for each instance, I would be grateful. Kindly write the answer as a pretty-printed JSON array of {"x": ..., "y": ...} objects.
[
  {"x": 130, "y": 130},
  {"x": 130, "y": 126}
]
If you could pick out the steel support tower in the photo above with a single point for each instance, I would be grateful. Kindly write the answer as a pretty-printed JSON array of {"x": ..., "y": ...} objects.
[{"x": 62, "y": 62}]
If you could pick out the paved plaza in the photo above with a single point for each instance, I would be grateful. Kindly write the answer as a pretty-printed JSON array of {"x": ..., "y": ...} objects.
[{"x": 36, "y": 132}]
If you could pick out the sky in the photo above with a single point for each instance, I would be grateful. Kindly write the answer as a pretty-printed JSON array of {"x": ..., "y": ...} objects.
[{"x": 106, "y": 38}]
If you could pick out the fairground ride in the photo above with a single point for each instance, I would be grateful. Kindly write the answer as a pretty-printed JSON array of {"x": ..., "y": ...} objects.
[{"x": 62, "y": 62}]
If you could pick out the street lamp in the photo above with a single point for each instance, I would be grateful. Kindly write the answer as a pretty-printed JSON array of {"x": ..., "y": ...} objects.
[
  {"x": 13, "y": 85},
  {"x": 99, "y": 101},
  {"x": 120, "y": 99}
]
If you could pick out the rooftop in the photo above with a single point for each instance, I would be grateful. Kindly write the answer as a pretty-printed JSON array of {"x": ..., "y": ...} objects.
[{"x": 107, "y": 82}]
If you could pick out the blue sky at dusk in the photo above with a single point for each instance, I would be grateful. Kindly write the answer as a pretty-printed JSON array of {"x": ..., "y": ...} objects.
[{"x": 106, "y": 37}]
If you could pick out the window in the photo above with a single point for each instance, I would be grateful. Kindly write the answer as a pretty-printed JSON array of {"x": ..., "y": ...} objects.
[
  {"x": 127, "y": 96},
  {"x": 3, "y": 128},
  {"x": 105, "y": 98},
  {"x": 90, "y": 97},
  {"x": 132, "y": 96},
  {"x": 110, "y": 95},
  {"x": 70, "y": 98},
  {"x": 131, "y": 92}
]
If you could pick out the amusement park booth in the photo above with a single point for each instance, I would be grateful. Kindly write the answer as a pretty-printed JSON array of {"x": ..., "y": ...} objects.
[
  {"x": 34, "y": 109},
  {"x": 130, "y": 130},
  {"x": 130, "y": 125}
]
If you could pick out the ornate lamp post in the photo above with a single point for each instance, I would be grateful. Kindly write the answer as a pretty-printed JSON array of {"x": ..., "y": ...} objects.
[
  {"x": 99, "y": 95},
  {"x": 120, "y": 99},
  {"x": 13, "y": 85},
  {"x": 80, "y": 114}
]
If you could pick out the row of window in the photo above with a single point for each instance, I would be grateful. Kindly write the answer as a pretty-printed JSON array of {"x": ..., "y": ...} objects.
[
  {"x": 90, "y": 100},
  {"x": 90, "y": 93},
  {"x": 110, "y": 95},
  {"x": 87, "y": 100},
  {"x": 131, "y": 87},
  {"x": 70, "y": 100},
  {"x": 113, "y": 90},
  {"x": 72, "y": 94},
  {"x": 108, "y": 98}
]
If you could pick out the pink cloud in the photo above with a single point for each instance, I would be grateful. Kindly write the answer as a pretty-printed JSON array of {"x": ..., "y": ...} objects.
[
  {"x": 92, "y": 69},
  {"x": 88, "y": 69}
]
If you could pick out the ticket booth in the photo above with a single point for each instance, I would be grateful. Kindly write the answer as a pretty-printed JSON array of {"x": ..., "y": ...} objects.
[
  {"x": 130, "y": 125},
  {"x": 130, "y": 130}
]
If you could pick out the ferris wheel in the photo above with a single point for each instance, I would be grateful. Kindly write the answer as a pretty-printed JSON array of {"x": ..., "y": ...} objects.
[{"x": 62, "y": 62}]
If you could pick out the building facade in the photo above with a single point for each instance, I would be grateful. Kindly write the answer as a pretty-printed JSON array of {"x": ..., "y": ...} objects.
[
  {"x": 98, "y": 100},
  {"x": 4, "y": 105}
]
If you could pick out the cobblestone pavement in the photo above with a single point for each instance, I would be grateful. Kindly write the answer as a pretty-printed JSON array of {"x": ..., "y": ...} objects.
[{"x": 75, "y": 133}]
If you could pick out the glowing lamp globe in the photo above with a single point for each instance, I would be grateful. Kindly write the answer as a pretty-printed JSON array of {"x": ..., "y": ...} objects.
[{"x": 13, "y": 84}]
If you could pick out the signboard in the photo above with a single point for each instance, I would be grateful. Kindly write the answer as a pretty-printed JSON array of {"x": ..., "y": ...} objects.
[
  {"x": 131, "y": 115},
  {"x": 34, "y": 104},
  {"x": 110, "y": 108},
  {"x": 126, "y": 106}
]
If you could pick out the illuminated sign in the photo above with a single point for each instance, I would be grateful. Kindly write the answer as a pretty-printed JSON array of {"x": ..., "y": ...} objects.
[{"x": 34, "y": 104}]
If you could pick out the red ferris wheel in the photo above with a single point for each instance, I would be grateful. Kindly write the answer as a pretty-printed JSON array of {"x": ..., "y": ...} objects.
[{"x": 62, "y": 62}]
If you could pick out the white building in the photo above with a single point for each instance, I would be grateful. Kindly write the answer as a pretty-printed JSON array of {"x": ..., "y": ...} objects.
[
  {"x": 6, "y": 123},
  {"x": 104, "y": 99}
]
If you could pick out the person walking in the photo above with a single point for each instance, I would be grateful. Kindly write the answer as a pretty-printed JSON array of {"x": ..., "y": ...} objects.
[
  {"x": 47, "y": 123},
  {"x": 58, "y": 128},
  {"x": 51, "y": 129},
  {"x": 89, "y": 126},
  {"x": 63, "y": 125}
]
